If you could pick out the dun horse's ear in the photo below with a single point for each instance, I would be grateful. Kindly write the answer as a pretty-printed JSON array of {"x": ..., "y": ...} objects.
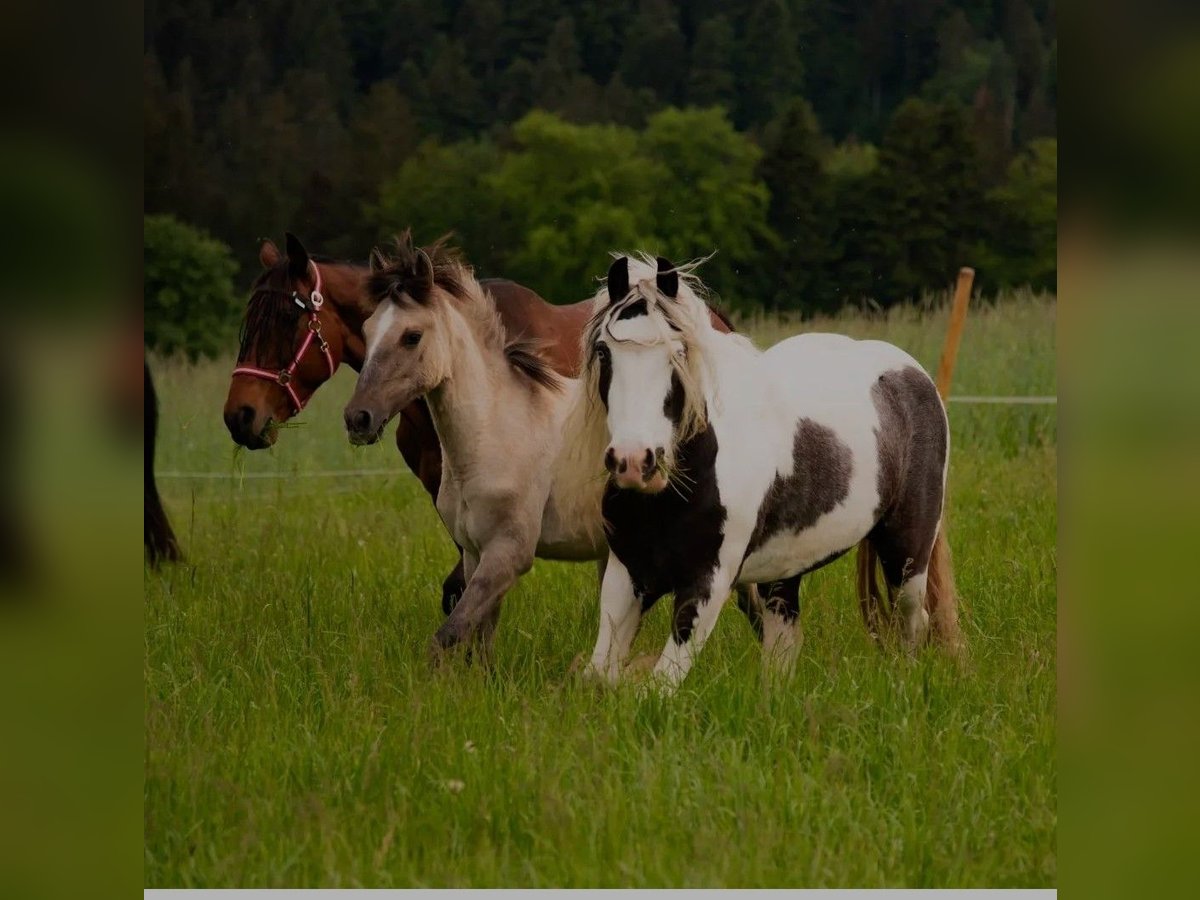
[
  {"x": 618, "y": 279},
  {"x": 268, "y": 254},
  {"x": 667, "y": 278},
  {"x": 297, "y": 257},
  {"x": 422, "y": 277},
  {"x": 376, "y": 260}
]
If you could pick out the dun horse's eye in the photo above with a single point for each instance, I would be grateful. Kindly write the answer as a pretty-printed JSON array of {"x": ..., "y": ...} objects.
[{"x": 411, "y": 338}]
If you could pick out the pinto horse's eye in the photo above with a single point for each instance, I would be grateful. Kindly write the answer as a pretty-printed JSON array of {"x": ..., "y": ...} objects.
[
  {"x": 411, "y": 338},
  {"x": 602, "y": 351}
]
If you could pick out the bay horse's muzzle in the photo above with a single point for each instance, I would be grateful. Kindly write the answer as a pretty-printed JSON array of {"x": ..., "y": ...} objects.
[{"x": 245, "y": 428}]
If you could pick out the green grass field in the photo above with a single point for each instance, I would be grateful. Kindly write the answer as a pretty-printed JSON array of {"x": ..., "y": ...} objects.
[{"x": 296, "y": 736}]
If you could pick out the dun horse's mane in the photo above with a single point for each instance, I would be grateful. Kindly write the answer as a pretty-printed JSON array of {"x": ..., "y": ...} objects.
[{"x": 403, "y": 277}]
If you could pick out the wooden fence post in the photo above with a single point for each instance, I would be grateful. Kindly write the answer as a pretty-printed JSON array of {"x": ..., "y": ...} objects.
[{"x": 958, "y": 318}]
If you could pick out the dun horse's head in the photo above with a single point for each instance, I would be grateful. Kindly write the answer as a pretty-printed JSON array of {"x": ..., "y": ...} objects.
[
  {"x": 291, "y": 344},
  {"x": 637, "y": 350},
  {"x": 408, "y": 341}
]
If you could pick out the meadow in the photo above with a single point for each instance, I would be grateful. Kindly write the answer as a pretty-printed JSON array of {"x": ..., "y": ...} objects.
[{"x": 295, "y": 734}]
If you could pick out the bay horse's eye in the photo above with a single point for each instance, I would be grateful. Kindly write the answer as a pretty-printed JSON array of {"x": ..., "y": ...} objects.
[{"x": 411, "y": 338}]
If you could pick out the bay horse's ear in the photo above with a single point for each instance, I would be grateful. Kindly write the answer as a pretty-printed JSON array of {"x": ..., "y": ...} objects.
[
  {"x": 297, "y": 257},
  {"x": 422, "y": 285},
  {"x": 618, "y": 279},
  {"x": 268, "y": 254},
  {"x": 376, "y": 260},
  {"x": 667, "y": 278}
]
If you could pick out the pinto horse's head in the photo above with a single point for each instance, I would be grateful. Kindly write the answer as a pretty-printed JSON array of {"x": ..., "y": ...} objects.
[
  {"x": 408, "y": 342},
  {"x": 291, "y": 344},
  {"x": 638, "y": 362}
]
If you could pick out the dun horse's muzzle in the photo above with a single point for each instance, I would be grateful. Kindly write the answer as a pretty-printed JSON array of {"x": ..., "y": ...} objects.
[{"x": 363, "y": 427}]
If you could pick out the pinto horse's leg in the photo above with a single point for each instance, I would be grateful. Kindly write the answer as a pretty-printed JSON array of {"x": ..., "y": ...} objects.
[
  {"x": 904, "y": 544},
  {"x": 750, "y": 602},
  {"x": 696, "y": 611},
  {"x": 781, "y": 631},
  {"x": 620, "y": 615}
]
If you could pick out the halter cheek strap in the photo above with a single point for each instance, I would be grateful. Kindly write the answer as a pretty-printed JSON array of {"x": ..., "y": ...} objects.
[{"x": 283, "y": 377}]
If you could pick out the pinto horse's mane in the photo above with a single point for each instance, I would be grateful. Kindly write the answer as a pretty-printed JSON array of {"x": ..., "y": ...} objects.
[
  {"x": 402, "y": 277},
  {"x": 683, "y": 318}
]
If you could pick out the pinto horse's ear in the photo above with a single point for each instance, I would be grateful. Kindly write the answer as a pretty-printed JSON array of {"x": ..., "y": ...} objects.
[
  {"x": 618, "y": 279},
  {"x": 667, "y": 278},
  {"x": 297, "y": 257},
  {"x": 376, "y": 260},
  {"x": 268, "y": 254}
]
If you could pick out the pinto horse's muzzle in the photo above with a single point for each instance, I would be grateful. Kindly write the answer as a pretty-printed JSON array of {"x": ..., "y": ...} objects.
[{"x": 641, "y": 468}]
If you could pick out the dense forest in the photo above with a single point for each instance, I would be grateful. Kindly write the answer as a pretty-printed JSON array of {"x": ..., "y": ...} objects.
[{"x": 829, "y": 150}]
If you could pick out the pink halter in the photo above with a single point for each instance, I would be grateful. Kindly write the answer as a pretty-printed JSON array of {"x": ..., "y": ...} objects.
[{"x": 283, "y": 377}]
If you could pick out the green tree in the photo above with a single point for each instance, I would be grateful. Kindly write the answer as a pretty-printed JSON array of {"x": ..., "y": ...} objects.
[
  {"x": 928, "y": 199},
  {"x": 710, "y": 79},
  {"x": 1023, "y": 249},
  {"x": 558, "y": 188},
  {"x": 655, "y": 53},
  {"x": 799, "y": 212},
  {"x": 190, "y": 303},
  {"x": 443, "y": 188},
  {"x": 770, "y": 63},
  {"x": 713, "y": 199}
]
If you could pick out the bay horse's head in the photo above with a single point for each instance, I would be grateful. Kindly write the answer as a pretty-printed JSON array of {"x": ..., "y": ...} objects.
[
  {"x": 409, "y": 350},
  {"x": 641, "y": 363},
  {"x": 291, "y": 344}
]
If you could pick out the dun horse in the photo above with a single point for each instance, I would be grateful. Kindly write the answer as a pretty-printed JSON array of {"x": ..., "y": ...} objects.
[
  {"x": 729, "y": 466},
  {"x": 498, "y": 409},
  {"x": 305, "y": 318}
]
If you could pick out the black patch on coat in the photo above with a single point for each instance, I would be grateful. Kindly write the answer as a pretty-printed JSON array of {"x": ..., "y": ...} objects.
[
  {"x": 605, "y": 380},
  {"x": 783, "y": 597},
  {"x": 670, "y": 542},
  {"x": 912, "y": 443},
  {"x": 673, "y": 402},
  {"x": 819, "y": 481},
  {"x": 633, "y": 310}
]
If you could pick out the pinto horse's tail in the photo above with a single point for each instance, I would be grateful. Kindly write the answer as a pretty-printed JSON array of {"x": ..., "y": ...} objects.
[{"x": 878, "y": 606}]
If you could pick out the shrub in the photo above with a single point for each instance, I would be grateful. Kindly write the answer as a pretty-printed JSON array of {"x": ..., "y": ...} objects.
[{"x": 190, "y": 303}]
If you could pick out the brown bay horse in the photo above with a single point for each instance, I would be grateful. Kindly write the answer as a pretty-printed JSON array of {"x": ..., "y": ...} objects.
[
  {"x": 276, "y": 326},
  {"x": 280, "y": 367}
]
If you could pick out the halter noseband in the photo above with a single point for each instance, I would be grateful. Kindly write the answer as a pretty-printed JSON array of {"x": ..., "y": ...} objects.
[{"x": 283, "y": 377}]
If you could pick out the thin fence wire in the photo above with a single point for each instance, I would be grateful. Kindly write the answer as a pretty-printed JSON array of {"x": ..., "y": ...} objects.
[{"x": 404, "y": 473}]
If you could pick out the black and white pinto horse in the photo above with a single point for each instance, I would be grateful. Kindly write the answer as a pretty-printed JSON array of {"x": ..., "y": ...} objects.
[{"x": 730, "y": 466}]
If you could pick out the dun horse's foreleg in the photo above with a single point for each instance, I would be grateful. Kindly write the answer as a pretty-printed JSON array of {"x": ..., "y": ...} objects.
[
  {"x": 696, "y": 612},
  {"x": 500, "y": 565},
  {"x": 453, "y": 586},
  {"x": 782, "y": 635},
  {"x": 620, "y": 616}
]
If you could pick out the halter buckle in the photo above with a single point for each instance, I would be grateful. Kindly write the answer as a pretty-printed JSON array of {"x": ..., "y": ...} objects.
[{"x": 284, "y": 376}]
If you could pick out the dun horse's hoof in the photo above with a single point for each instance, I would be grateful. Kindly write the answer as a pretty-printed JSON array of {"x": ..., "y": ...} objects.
[{"x": 452, "y": 592}]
